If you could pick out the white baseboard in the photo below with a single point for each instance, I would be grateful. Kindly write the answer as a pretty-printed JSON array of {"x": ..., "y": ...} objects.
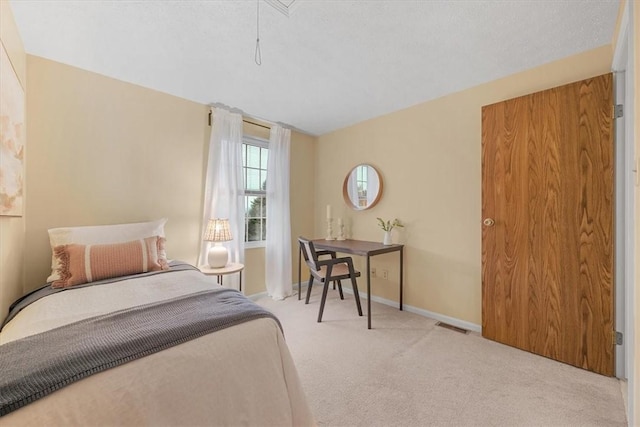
[{"x": 415, "y": 310}]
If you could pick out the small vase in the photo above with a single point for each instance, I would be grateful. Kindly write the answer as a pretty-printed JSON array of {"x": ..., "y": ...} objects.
[{"x": 387, "y": 238}]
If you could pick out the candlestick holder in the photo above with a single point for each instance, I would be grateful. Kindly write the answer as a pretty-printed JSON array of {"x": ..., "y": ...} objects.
[
  {"x": 340, "y": 231},
  {"x": 329, "y": 230}
]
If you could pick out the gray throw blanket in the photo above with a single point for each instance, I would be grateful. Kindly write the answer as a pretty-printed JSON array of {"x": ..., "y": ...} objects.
[{"x": 34, "y": 366}]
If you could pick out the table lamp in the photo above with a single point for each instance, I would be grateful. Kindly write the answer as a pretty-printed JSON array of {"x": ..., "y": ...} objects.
[{"x": 217, "y": 231}]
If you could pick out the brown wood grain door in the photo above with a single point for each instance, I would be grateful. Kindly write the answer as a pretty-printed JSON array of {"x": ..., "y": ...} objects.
[{"x": 547, "y": 260}]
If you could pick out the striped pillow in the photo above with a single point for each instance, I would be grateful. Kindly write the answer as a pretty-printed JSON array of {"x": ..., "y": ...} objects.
[{"x": 79, "y": 264}]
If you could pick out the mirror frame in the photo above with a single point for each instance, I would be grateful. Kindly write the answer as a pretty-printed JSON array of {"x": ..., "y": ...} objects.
[{"x": 345, "y": 192}]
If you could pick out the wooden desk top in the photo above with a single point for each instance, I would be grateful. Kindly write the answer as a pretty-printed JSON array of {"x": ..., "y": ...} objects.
[{"x": 356, "y": 247}]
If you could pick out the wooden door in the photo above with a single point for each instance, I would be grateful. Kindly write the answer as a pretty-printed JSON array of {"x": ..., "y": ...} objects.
[{"x": 547, "y": 260}]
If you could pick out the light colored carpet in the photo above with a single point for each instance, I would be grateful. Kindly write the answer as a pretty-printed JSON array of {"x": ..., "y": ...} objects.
[{"x": 409, "y": 372}]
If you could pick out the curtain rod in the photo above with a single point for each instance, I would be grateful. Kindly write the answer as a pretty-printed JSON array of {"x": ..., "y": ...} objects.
[
  {"x": 256, "y": 124},
  {"x": 247, "y": 119},
  {"x": 244, "y": 120}
]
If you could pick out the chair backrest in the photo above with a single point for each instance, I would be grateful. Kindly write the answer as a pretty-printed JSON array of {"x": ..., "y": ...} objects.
[{"x": 309, "y": 253}]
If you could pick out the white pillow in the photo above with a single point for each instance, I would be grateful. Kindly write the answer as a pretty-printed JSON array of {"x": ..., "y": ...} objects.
[{"x": 100, "y": 235}]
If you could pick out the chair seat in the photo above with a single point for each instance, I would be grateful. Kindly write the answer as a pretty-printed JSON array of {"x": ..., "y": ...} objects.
[{"x": 338, "y": 271}]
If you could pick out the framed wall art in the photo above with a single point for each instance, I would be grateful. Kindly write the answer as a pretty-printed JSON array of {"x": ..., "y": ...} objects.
[{"x": 12, "y": 139}]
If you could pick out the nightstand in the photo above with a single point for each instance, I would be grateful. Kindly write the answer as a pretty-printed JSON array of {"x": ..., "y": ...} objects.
[{"x": 230, "y": 268}]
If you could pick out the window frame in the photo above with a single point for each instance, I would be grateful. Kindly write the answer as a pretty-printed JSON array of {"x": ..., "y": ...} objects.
[{"x": 262, "y": 143}]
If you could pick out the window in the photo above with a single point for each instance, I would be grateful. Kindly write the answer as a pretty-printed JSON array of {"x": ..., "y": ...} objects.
[{"x": 254, "y": 166}]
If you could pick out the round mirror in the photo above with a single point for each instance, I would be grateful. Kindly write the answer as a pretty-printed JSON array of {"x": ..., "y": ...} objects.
[{"x": 362, "y": 187}]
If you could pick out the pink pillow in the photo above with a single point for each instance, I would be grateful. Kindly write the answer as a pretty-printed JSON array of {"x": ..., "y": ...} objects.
[
  {"x": 101, "y": 235},
  {"x": 87, "y": 263}
]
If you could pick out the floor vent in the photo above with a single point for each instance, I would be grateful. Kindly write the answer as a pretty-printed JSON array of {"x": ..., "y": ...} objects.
[{"x": 453, "y": 328}]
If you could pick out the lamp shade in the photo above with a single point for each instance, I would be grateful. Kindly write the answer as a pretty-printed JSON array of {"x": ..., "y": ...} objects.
[{"x": 217, "y": 230}]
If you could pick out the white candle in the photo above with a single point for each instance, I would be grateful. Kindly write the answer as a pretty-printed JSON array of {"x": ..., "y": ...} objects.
[
  {"x": 328, "y": 211},
  {"x": 339, "y": 221}
]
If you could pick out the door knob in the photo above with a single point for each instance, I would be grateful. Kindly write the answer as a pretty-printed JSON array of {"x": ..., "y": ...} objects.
[{"x": 488, "y": 222}]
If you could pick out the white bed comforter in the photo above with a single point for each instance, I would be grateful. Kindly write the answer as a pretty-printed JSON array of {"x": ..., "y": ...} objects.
[{"x": 242, "y": 375}]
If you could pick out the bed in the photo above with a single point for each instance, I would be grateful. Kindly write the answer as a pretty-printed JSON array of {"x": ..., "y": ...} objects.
[{"x": 239, "y": 374}]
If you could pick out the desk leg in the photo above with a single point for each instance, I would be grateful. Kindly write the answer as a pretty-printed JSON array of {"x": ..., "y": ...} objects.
[
  {"x": 401, "y": 275},
  {"x": 299, "y": 271},
  {"x": 241, "y": 283},
  {"x": 368, "y": 292}
]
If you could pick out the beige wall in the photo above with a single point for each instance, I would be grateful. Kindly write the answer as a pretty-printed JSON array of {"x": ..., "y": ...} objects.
[
  {"x": 303, "y": 154},
  {"x": 12, "y": 229},
  {"x": 429, "y": 157},
  {"x": 103, "y": 151},
  {"x": 636, "y": 82}
]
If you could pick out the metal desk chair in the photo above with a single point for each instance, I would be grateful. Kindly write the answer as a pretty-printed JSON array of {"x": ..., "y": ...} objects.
[{"x": 328, "y": 270}]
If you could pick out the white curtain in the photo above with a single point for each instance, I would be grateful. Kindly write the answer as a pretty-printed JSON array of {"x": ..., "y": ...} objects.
[
  {"x": 278, "y": 250},
  {"x": 224, "y": 187}
]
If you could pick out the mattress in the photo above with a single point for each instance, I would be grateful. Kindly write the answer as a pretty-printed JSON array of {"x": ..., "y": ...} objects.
[{"x": 241, "y": 375}]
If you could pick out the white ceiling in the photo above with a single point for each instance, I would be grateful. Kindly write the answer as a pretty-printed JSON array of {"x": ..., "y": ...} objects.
[{"x": 328, "y": 65}]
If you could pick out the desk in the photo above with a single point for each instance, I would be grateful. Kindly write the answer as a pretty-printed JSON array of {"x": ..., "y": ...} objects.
[
  {"x": 361, "y": 248},
  {"x": 227, "y": 269}
]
